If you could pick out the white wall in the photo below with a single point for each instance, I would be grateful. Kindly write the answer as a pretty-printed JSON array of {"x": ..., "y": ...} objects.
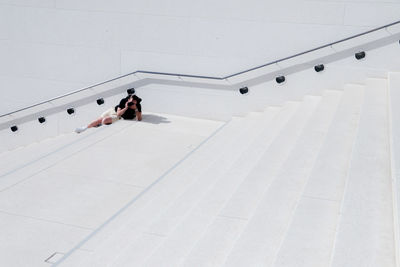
[{"x": 50, "y": 47}]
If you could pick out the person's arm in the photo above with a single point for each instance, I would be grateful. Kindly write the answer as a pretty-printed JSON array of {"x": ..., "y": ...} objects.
[
  {"x": 138, "y": 111},
  {"x": 138, "y": 115},
  {"x": 121, "y": 111}
]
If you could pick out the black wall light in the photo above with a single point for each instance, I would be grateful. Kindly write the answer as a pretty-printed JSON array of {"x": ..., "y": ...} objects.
[
  {"x": 280, "y": 79},
  {"x": 360, "y": 55},
  {"x": 42, "y": 119},
  {"x": 70, "y": 111},
  {"x": 244, "y": 90},
  {"x": 319, "y": 68},
  {"x": 100, "y": 101},
  {"x": 14, "y": 128},
  {"x": 130, "y": 91}
]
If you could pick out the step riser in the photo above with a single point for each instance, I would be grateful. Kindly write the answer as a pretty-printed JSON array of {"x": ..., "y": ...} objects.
[
  {"x": 176, "y": 212},
  {"x": 243, "y": 202},
  {"x": 214, "y": 172},
  {"x": 260, "y": 240},
  {"x": 366, "y": 222},
  {"x": 139, "y": 216},
  {"x": 394, "y": 118},
  {"x": 309, "y": 242},
  {"x": 305, "y": 186},
  {"x": 168, "y": 220},
  {"x": 203, "y": 215}
]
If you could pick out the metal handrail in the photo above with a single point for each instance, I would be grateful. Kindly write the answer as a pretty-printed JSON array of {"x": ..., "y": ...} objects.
[{"x": 206, "y": 77}]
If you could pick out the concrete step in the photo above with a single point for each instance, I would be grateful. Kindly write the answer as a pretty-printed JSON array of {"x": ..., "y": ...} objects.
[
  {"x": 394, "y": 130},
  {"x": 179, "y": 243},
  {"x": 309, "y": 240},
  {"x": 56, "y": 206},
  {"x": 20, "y": 156},
  {"x": 177, "y": 209},
  {"x": 214, "y": 171},
  {"x": 260, "y": 240},
  {"x": 365, "y": 236},
  {"x": 21, "y": 164},
  {"x": 258, "y": 139},
  {"x": 137, "y": 213},
  {"x": 242, "y": 204}
]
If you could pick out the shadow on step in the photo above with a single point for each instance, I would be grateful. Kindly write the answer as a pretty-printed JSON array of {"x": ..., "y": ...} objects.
[{"x": 154, "y": 119}]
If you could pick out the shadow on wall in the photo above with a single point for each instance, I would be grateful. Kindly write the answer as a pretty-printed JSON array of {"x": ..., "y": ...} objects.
[{"x": 154, "y": 119}]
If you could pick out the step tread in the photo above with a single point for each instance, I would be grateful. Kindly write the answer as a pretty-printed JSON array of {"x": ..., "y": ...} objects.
[
  {"x": 137, "y": 216},
  {"x": 178, "y": 210},
  {"x": 260, "y": 240},
  {"x": 244, "y": 201},
  {"x": 366, "y": 223},
  {"x": 394, "y": 119},
  {"x": 174, "y": 212},
  {"x": 179, "y": 242},
  {"x": 309, "y": 240}
]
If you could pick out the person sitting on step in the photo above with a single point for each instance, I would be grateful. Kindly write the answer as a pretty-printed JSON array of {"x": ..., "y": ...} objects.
[{"x": 128, "y": 108}]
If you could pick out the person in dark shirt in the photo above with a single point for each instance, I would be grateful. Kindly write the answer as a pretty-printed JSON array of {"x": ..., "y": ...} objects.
[
  {"x": 132, "y": 110},
  {"x": 128, "y": 108}
]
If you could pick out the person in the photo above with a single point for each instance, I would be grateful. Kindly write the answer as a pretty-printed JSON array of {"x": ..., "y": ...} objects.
[{"x": 128, "y": 108}]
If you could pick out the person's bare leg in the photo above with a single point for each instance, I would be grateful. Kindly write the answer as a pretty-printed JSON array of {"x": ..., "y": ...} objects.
[
  {"x": 107, "y": 120},
  {"x": 95, "y": 123}
]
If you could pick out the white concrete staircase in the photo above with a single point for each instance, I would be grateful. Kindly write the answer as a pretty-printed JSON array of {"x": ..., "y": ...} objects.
[
  {"x": 300, "y": 173},
  {"x": 311, "y": 183}
]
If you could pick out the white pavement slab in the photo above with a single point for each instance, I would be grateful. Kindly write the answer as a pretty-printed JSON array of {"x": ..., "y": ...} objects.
[
  {"x": 27, "y": 241},
  {"x": 71, "y": 199}
]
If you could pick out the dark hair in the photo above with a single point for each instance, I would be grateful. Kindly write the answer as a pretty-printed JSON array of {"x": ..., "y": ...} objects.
[
  {"x": 135, "y": 97},
  {"x": 138, "y": 99}
]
